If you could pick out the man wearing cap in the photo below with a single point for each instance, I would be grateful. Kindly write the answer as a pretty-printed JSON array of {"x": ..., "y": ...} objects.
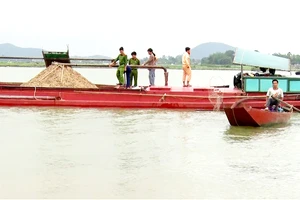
[{"x": 122, "y": 58}]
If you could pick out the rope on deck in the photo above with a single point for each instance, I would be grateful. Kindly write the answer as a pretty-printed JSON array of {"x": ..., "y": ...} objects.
[{"x": 29, "y": 97}]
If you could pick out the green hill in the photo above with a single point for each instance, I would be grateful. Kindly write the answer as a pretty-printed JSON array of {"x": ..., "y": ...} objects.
[
  {"x": 8, "y": 49},
  {"x": 198, "y": 52},
  {"x": 206, "y": 49}
]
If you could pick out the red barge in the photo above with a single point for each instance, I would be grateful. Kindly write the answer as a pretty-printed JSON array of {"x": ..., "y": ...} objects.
[{"x": 210, "y": 98}]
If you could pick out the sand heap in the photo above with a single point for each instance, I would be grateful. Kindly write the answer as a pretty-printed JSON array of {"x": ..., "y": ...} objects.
[{"x": 59, "y": 75}]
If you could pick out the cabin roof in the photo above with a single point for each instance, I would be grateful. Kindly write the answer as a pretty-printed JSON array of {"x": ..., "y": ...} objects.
[{"x": 257, "y": 59}]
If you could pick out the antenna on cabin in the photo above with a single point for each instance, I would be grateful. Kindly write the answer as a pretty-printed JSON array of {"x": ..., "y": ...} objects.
[{"x": 290, "y": 64}]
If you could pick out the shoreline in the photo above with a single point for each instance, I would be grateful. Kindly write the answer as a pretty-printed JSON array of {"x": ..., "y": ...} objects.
[
  {"x": 202, "y": 68},
  {"x": 197, "y": 67}
]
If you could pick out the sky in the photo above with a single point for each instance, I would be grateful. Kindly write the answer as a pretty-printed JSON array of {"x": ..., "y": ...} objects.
[{"x": 101, "y": 27}]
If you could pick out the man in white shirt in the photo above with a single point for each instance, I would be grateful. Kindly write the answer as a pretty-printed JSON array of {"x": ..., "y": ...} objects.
[{"x": 274, "y": 91}]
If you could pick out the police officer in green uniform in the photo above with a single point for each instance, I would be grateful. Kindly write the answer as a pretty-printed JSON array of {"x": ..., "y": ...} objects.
[
  {"x": 134, "y": 72},
  {"x": 122, "y": 58}
]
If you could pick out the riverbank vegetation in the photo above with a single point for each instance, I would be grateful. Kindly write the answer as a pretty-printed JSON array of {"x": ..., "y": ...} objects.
[
  {"x": 168, "y": 66},
  {"x": 216, "y": 61}
]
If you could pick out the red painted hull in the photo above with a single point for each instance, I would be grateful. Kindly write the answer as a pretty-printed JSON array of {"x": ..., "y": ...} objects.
[
  {"x": 11, "y": 94},
  {"x": 248, "y": 116}
]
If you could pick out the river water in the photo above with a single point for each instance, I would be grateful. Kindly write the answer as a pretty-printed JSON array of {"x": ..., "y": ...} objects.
[{"x": 136, "y": 153}]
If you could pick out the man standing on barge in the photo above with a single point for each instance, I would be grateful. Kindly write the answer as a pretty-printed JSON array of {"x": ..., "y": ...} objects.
[
  {"x": 134, "y": 72},
  {"x": 186, "y": 67},
  {"x": 122, "y": 58}
]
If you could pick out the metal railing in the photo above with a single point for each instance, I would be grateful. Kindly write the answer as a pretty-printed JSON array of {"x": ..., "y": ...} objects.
[
  {"x": 166, "y": 73},
  {"x": 62, "y": 59}
]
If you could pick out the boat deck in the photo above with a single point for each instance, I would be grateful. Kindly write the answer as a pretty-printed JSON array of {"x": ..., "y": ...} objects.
[{"x": 195, "y": 90}]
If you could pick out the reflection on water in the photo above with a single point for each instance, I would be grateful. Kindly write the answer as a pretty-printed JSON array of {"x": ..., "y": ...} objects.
[
  {"x": 128, "y": 153},
  {"x": 239, "y": 133}
]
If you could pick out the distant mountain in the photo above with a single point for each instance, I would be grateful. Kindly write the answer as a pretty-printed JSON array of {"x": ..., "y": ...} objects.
[
  {"x": 206, "y": 49},
  {"x": 199, "y": 52},
  {"x": 8, "y": 49}
]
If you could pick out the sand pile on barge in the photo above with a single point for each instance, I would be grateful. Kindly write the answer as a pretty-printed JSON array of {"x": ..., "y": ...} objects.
[{"x": 59, "y": 75}]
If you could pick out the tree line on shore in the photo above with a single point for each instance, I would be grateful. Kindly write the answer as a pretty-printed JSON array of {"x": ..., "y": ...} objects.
[
  {"x": 218, "y": 59},
  {"x": 215, "y": 59},
  {"x": 171, "y": 60},
  {"x": 295, "y": 59}
]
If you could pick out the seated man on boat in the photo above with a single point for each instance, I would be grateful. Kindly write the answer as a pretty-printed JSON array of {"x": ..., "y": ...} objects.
[
  {"x": 276, "y": 92},
  {"x": 134, "y": 72}
]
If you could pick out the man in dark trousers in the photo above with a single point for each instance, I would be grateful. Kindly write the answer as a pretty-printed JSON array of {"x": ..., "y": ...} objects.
[{"x": 134, "y": 72}]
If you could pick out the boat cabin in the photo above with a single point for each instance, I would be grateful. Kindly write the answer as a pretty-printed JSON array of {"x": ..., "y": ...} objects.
[{"x": 262, "y": 81}]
